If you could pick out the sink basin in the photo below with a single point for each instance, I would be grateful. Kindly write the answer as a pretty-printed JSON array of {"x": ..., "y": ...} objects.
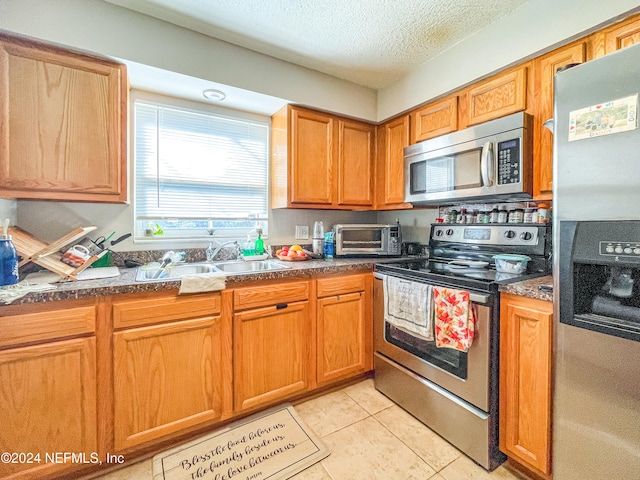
[
  {"x": 249, "y": 267},
  {"x": 146, "y": 274}
]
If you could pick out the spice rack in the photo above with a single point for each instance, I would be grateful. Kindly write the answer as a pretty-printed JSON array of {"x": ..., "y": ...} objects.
[{"x": 48, "y": 255}]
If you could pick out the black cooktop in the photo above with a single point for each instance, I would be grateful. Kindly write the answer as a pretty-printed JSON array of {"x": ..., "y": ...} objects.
[{"x": 485, "y": 279}]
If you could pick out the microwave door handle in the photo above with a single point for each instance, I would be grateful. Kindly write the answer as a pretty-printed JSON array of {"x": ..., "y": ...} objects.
[{"x": 486, "y": 164}]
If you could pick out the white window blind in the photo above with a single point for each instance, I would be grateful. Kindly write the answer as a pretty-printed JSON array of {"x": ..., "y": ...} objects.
[{"x": 196, "y": 171}]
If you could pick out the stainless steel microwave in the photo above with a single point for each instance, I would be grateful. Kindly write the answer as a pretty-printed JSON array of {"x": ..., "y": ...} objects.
[
  {"x": 358, "y": 240},
  {"x": 487, "y": 162}
]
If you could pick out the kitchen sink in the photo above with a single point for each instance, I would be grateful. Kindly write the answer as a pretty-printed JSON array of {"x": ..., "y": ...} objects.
[
  {"x": 175, "y": 272},
  {"x": 249, "y": 267},
  {"x": 146, "y": 273}
]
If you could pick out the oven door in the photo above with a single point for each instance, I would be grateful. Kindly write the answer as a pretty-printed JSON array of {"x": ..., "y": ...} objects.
[{"x": 466, "y": 375}]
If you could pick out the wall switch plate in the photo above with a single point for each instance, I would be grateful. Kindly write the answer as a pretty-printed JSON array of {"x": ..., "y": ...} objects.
[{"x": 302, "y": 232}]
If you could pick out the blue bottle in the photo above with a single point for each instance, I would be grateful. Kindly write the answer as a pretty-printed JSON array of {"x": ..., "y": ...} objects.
[{"x": 8, "y": 262}]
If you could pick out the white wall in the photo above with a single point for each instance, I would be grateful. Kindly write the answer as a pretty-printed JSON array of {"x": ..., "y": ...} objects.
[
  {"x": 8, "y": 209},
  {"x": 534, "y": 27}
]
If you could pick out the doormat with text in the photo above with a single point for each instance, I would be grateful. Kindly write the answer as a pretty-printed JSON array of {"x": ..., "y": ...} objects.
[{"x": 274, "y": 444}]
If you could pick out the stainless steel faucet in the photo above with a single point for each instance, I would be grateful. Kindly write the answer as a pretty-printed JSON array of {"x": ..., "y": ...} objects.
[{"x": 212, "y": 252}]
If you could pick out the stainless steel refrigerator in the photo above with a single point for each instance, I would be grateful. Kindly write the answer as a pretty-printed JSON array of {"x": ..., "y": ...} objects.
[{"x": 596, "y": 221}]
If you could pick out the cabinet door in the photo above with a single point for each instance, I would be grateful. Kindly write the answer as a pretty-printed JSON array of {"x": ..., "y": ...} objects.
[
  {"x": 311, "y": 157},
  {"x": 355, "y": 163},
  {"x": 47, "y": 404},
  {"x": 546, "y": 68},
  {"x": 166, "y": 378},
  {"x": 434, "y": 119},
  {"x": 525, "y": 381},
  {"x": 62, "y": 125},
  {"x": 501, "y": 95},
  {"x": 271, "y": 354},
  {"x": 393, "y": 137},
  {"x": 622, "y": 35},
  {"x": 341, "y": 332}
]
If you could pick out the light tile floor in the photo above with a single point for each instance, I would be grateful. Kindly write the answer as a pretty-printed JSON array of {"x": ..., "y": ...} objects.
[{"x": 369, "y": 438}]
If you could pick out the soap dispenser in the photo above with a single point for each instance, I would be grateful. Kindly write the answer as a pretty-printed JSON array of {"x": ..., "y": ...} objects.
[
  {"x": 259, "y": 246},
  {"x": 247, "y": 248}
]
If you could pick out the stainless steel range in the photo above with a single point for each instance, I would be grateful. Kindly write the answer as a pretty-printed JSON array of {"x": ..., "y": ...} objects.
[{"x": 453, "y": 392}]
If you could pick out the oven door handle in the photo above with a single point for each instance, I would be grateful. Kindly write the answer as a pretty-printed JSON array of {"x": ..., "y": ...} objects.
[{"x": 474, "y": 297}]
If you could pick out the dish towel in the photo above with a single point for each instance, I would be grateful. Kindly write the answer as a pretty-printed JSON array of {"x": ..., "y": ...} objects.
[
  {"x": 202, "y": 282},
  {"x": 407, "y": 305},
  {"x": 454, "y": 318}
]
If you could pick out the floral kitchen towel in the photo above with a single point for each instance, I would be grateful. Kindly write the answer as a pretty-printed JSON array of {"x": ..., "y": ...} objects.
[{"x": 454, "y": 318}]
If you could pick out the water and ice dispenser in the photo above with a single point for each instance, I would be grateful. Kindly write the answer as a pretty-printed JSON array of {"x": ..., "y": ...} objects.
[{"x": 599, "y": 268}]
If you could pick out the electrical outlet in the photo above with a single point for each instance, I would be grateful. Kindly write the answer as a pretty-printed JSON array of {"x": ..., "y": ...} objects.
[{"x": 302, "y": 232}]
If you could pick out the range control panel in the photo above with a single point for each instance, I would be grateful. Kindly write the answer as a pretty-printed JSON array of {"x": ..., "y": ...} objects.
[
  {"x": 487, "y": 235},
  {"x": 613, "y": 248}
]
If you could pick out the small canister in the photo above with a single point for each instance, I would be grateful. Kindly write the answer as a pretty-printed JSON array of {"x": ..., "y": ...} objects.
[
  {"x": 494, "y": 215},
  {"x": 460, "y": 218},
  {"x": 534, "y": 216},
  {"x": 486, "y": 217},
  {"x": 479, "y": 216},
  {"x": 453, "y": 216}
]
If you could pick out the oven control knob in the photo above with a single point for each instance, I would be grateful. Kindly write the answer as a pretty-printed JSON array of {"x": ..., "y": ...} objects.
[
  {"x": 628, "y": 250},
  {"x": 439, "y": 233},
  {"x": 449, "y": 231},
  {"x": 618, "y": 249},
  {"x": 510, "y": 234},
  {"x": 526, "y": 236}
]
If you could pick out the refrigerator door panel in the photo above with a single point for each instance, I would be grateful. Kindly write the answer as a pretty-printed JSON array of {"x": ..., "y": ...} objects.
[
  {"x": 597, "y": 178},
  {"x": 596, "y": 432}
]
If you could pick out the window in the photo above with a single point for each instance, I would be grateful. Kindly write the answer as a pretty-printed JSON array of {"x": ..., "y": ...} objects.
[{"x": 196, "y": 171}]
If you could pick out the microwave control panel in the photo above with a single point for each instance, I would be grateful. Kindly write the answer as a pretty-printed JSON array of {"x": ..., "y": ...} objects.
[
  {"x": 509, "y": 162},
  {"x": 620, "y": 248}
]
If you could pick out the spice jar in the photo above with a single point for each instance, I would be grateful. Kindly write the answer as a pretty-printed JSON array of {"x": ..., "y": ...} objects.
[
  {"x": 494, "y": 215},
  {"x": 516, "y": 216},
  {"x": 479, "y": 216},
  {"x": 461, "y": 215},
  {"x": 502, "y": 215},
  {"x": 528, "y": 215},
  {"x": 453, "y": 216},
  {"x": 543, "y": 213}
]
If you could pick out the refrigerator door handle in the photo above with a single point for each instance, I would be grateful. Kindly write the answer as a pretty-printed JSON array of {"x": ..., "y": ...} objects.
[{"x": 486, "y": 164}]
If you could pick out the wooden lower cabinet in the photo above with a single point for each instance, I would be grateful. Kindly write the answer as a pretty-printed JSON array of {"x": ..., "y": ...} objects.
[
  {"x": 271, "y": 354},
  {"x": 47, "y": 407},
  {"x": 169, "y": 377},
  {"x": 525, "y": 381},
  {"x": 344, "y": 327}
]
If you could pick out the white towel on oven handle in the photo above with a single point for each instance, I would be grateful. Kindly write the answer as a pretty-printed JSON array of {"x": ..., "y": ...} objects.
[{"x": 407, "y": 305}]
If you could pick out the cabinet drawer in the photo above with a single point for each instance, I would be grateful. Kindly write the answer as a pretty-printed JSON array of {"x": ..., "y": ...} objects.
[
  {"x": 270, "y": 295},
  {"x": 340, "y": 285},
  {"x": 46, "y": 324},
  {"x": 146, "y": 311}
]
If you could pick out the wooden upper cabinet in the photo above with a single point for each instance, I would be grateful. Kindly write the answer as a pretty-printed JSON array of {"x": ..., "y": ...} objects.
[
  {"x": 622, "y": 35},
  {"x": 356, "y": 143},
  {"x": 434, "y": 119},
  {"x": 320, "y": 160},
  {"x": 525, "y": 381},
  {"x": 546, "y": 68},
  {"x": 496, "y": 97},
  {"x": 393, "y": 137},
  {"x": 63, "y": 124}
]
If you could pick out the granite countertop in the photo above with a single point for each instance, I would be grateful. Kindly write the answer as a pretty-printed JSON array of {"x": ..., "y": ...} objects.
[
  {"x": 126, "y": 283},
  {"x": 530, "y": 288}
]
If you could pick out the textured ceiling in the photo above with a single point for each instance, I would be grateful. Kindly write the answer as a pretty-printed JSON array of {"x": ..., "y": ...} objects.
[{"x": 369, "y": 42}]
